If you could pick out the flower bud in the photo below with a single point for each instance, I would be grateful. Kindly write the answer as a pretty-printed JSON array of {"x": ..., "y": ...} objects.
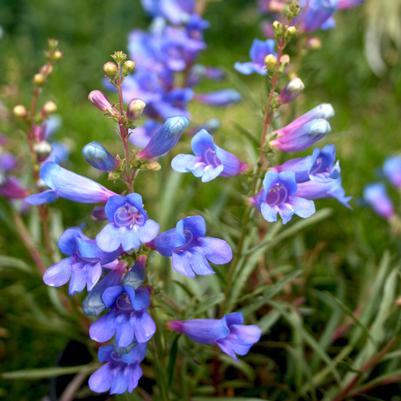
[
  {"x": 50, "y": 107},
  {"x": 292, "y": 90},
  {"x": 99, "y": 100},
  {"x": 285, "y": 59},
  {"x": 270, "y": 61},
  {"x": 135, "y": 109},
  {"x": 42, "y": 150},
  {"x": 20, "y": 111},
  {"x": 46, "y": 69},
  {"x": 128, "y": 67},
  {"x": 39, "y": 79},
  {"x": 99, "y": 157},
  {"x": 165, "y": 138},
  {"x": 292, "y": 30},
  {"x": 314, "y": 43},
  {"x": 110, "y": 69},
  {"x": 57, "y": 55}
]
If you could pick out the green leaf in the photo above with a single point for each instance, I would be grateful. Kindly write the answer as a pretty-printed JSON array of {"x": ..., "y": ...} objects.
[
  {"x": 171, "y": 360},
  {"x": 35, "y": 374},
  {"x": 14, "y": 263}
]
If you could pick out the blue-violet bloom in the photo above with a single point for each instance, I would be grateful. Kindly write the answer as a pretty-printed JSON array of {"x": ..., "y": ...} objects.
[
  {"x": 229, "y": 333},
  {"x": 128, "y": 227},
  {"x": 376, "y": 196},
  {"x": 190, "y": 249},
  {"x": 392, "y": 170},
  {"x": 209, "y": 161}
]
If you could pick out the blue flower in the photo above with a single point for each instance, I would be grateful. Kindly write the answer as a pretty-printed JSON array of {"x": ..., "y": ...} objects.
[
  {"x": 229, "y": 333},
  {"x": 99, "y": 157},
  {"x": 128, "y": 227},
  {"x": 376, "y": 196},
  {"x": 120, "y": 371},
  {"x": 127, "y": 320},
  {"x": 322, "y": 161},
  {"x": 83, "y": 267},
  {"x": 165, "y": 138},
  {"x": 392, "y": 170},
  {"x": 305, "y": 130},
  {"x": 219, "y": 98},
  {"x": 190, "y": 249},
  {"x": 176, "y": 11},
  {"x": 326, "y": 185},
  {"x": 279, "y": 195},
  {"x": 316, "y": 14},
  {"x": 209, "y": 162},
  {"x": 259, "y": 50},
  {"x": 140, "y": 136},
  {"x": 66, "y": 184}
]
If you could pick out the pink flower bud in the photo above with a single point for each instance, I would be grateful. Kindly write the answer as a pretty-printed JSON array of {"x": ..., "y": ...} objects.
[{"x": 99, "y": 100}]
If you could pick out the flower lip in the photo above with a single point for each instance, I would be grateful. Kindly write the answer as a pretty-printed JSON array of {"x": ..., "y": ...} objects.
[
  {"x": 128, "y": 216},
  {"x": 123, "y": 303},
  {"x": 211, "y": 158},
  {"x": 189, "y": 240},
  {"x": 277, "y": 194}
]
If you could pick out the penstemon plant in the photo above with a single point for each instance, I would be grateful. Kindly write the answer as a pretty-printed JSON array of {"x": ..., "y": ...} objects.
[{"x": 118, "y": 257}]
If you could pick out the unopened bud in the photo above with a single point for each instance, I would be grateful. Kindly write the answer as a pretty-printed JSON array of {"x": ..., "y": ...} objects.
[
  {"x": 277, "y": 25},
  {"x": 99, "y": 100},
  {"x": 314, "y": 43},
  {"x": 57, "y": 55},
  {"x": 39, "y": 79},
  {"x": 50, "y": 107},
  {"x": 270, "y": 61},
  {"x": 128, "y": 67},
  {"x": 135, "y": 109},
  {"x": 153, "y": 166},
  {"x": 46, "y": 69},
  {"x": 292, "y": 30},
  {"x": 285, "y": 59},
  {"x": 42, "y": 150},
  {"x": 110, "y": 69},
  {"x": 20, "y": 111},
  {"x": 292, "y": 90},
  {"x": 99, "y": 157}
]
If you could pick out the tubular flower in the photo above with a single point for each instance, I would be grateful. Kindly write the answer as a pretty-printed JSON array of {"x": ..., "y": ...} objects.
[
  {"x": 83, "y": 267},
  {"x": 376, "y": 197},
  {"x": 317, "y": 14},
  {"x": 305, "y": 130},
  {"x": 128, "y": 227},
  {"x": 279, "y": 196},
  {"x": 209, "y": 161},
  {"x": 190, "y": 249},
  {"x": 229, "y": 333},
  {"x": 223, "y": 97},
  {"x": 164, "y": 139},
  {"x": 326, "y": 185},
  {"x": 66, "y": 184},
  {"x": 120, "y": 371},
  {"x": 322, "y": 161},
  {"x": 259, "y": 50},
  {"x": 392, "y": 170}
]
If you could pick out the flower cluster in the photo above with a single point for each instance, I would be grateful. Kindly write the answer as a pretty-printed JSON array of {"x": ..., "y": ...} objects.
[
  {"x": 375, "y": 194},
  {"x": 166, "y": 65},
  {"x": 111, "y": 264}
]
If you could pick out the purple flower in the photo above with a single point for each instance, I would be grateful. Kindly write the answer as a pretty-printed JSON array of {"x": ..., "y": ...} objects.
[
  {"x": 83, "y": 267},
  {"x": 392, "y": 170},
  {"x": 99, "y": 100},
  {"x": 128, "y": 227},
  {"x": 316, "y": 14},
  {"x": 99, "y": 157},
  {"x": 165, "y": 138},
  {"x": 190, "y": 249},
  {"x": 305, "y": 130},
  {"x": 326, "y": 185},
  {"x": 219, "y": 98},
  {"x": 291, "y": 91},
  {"x": 279, "y": 195},
  {"x": 259, "y": 50},
  {"x": 176, "y": 11},
  {"x": 11, "y": 188},
  {"x": 120, "y": 372},
  {"x": 127, "y": 319},
  {"x": 229, "y": 333},
  {"x": 376, "y": 196},
  {"x": 66, "y": 184},
  {"x": 209, "y": 160},
  {"x": 322, "y": 161}
]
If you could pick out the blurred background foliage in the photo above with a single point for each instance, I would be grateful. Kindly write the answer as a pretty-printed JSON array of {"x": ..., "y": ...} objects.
[{"x": 345, "y": 254}]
